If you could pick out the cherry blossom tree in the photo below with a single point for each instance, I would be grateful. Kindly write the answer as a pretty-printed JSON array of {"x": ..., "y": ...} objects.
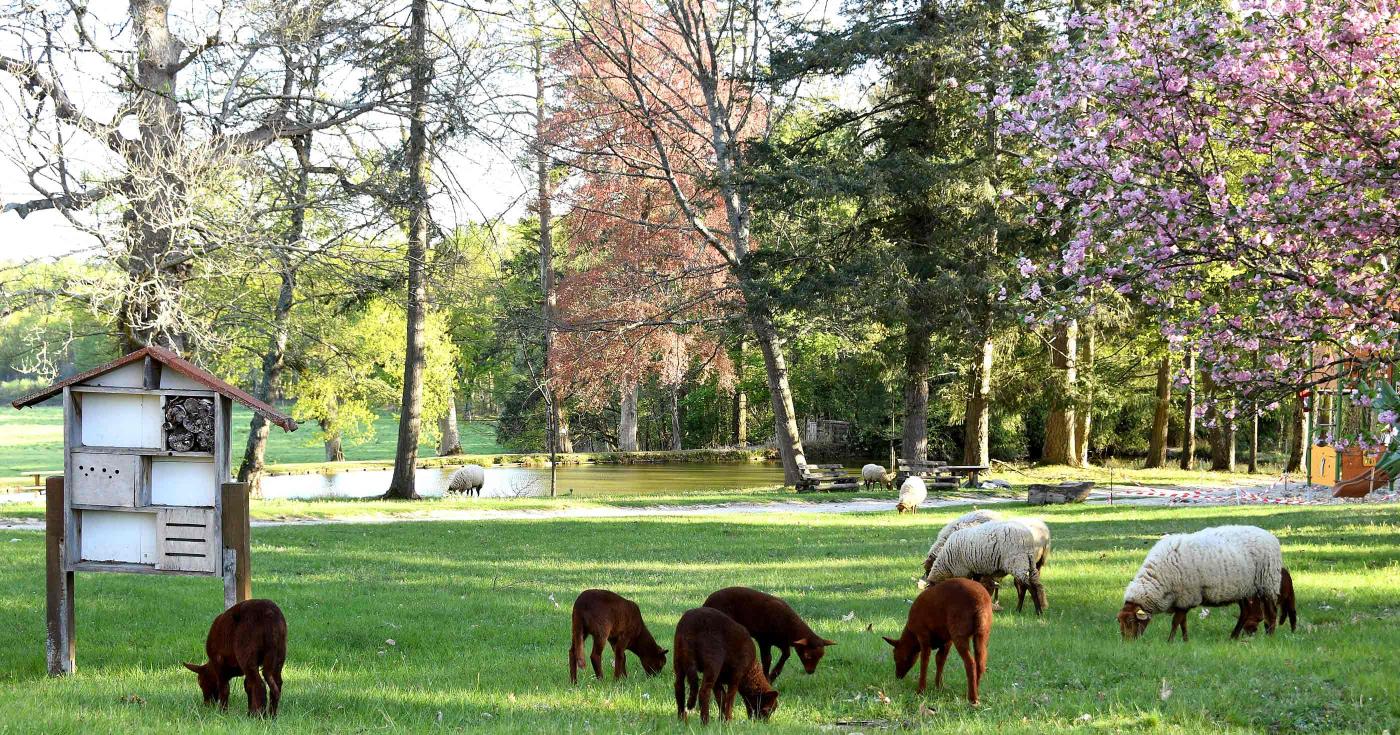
[{"x": 1235, "y": 170}]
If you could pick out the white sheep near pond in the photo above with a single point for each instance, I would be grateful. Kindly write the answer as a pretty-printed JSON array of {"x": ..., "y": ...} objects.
[
  {"x": 469, "y": 479},
  {"x": 1212, "y": 567},
  {"x": 911, "y": 494},
  {"x": 874, "y": 474}
]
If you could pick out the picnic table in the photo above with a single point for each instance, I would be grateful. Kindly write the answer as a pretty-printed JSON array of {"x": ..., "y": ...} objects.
[{"x": 939, "y": 474}]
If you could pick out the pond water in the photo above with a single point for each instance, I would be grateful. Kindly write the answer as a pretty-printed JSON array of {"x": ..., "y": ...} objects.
[{"x": 503, "y": 482}]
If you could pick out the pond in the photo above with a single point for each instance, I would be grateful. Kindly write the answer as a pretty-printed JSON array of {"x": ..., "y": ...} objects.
[{"x": 511, "y": 481}]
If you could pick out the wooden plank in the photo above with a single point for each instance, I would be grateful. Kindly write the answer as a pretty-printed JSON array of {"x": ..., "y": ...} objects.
[
  {"x": 237, "y": 539},
  {"x": 143, "y": 451},
  {"x": 59, "y": 647},
  {"x": 186, "y": 541},
  {"x": 142, "y": 391}
]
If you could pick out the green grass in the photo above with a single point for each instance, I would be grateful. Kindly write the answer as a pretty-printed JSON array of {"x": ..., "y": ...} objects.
[
  {"x": 478, "y": 643},
  {"x": 32, "y": 439}
]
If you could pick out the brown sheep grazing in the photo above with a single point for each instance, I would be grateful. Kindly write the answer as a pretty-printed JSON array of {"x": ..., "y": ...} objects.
[
  {"x": 1252, "y": 610},
  {"x": 612, "y": 618},
  {"x": 715, "y": 654},
  {"x": 247, "y": 636},
  {"x": 955, "y": 611},
  {"x": 773, "y": 624}
]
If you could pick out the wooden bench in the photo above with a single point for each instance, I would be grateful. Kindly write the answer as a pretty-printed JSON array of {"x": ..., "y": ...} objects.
[
  {"x": 938, "y": 475},
  {"x": 826, "y": 478}
]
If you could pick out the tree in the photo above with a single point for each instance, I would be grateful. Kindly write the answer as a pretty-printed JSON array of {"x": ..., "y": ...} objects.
[
  {"x": 1235, "y": 168},
  {"x": 1161, "y": 415},
  {"x": 185, "y": 114},
  {"x": 660, "y": 92}
]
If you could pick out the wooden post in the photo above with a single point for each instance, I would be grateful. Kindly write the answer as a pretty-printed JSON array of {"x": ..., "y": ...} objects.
[
  {"x": 238, "y": 562},
  {"x": 59, "y": 648}
]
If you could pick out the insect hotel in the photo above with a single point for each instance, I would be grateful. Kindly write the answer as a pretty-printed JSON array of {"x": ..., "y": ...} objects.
[{"x": 145, "y": 485}]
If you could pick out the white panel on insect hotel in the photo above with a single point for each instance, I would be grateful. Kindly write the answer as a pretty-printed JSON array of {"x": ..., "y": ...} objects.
[
  {"x": 178, "y": 381},
  {"x": 132, "y": 375},
  {"x": 118, "y": 536},
  {"x": 105, "y": 479},
  {"x": 121, "y": 420},
  {"x": 182, "y": 482}
]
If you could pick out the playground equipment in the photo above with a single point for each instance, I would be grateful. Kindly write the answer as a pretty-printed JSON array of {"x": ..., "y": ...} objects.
[{"x": 1337, "y": 414}]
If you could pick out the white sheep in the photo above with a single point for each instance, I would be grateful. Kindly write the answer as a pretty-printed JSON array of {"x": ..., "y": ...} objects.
[
  {"x": 911, "y": 494},
  {"x": 468, "y": 479},
  {"x": 988, "y": 552},
  {"x": 1212, "y": 567},
  {"x": 874, "y": 474},
  {"x": 966, "y": 520}
]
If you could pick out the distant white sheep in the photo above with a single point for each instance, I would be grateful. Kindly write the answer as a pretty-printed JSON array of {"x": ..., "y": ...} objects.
[
  {"x": 469, "y": 479},
  {"x": 874, "y": 474},
  {"x": 988, "y": 552},
  {"x": 1215, "y": 566},
  {"x": 911, "y": 494}
]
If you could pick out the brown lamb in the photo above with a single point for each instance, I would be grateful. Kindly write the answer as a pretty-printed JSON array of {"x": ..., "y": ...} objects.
[
  {"x": 715, "y": 654},
  {"x": 955, "y": 611},
  {"x": 612, "y": 618},
  {"x": 247, "y": 636},
  {"x": 773, "y": 624},
  {"x": 1252, "y": 610}
]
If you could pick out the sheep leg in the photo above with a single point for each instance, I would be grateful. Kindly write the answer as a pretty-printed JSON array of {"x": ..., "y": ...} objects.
[
  {"x": 680, "y": 695},
  {"x": 726, "y": 711},
  {"x": 980, "y": 648},
  {"x": 1239, "y": 624},
  {"x": 924, "y": 651},
  {"x": 1021, "y": 590},
  {"x": 693, "y": 677},
  {"x": 257, "y": 693},
  {"x": 707, "y": 686},
  {"x": 778, "y": 667},
  {"x": 1270, "y": 615},
  {"x": 596, "y": 657},
  {"x": 765, "y": 655},
  {"x": 619, "y": 660},
  {"x": 938, "y": 666},
  {"x": 1178, "y": 621},
  {"x": 272, "y": 676},
  {"x": 575, "y": 654},
  {"x": 223, "y": 693},
  {"x": 970, "y": 667}
]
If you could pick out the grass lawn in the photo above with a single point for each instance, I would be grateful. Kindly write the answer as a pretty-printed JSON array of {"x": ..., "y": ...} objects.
[
  {"x": 479, "y": 614},
  {"x": 32, "y": 439}
]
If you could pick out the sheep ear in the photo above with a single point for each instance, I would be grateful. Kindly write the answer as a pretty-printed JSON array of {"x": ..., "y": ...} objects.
[
  {"x": 192, "y": 667},
  {"x": 665, "y": 651},
  {"x": 890, "y": 641},
  {"x": 826, "y": 642},
  {"x": 800, "y": 642},
  {"x": 1142, "y": 614}
]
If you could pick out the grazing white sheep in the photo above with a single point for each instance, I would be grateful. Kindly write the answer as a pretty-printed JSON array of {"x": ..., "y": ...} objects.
[
  {"x": 911, "y": 494},
  {"x": 469, "y": 479},
  {"x": 988, "y": 552},
  {"x": 1215, "y": 566},
  {"x": 966, "y": 520},
  {"x": 874, "y": 474}
]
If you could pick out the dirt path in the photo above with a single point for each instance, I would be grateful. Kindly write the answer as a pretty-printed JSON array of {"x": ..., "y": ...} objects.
[{"x": 856, "y": 505}]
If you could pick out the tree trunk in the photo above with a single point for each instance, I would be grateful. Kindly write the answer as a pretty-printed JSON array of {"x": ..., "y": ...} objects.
[
  {"x": 1188, "y": 417},
  {"x": 1084, "y": 410},
  {"x": 334, "y": 452},
  {"x": 977, "y": 418},
  {"x": 1221, "y": 435},
  {"x": 741, "y": 401},
  {"x": 451, "y": 440},
  {"x": 917, "y": 348},
  {"x": 627, "y": 419},
  {"x": 419, "y": 170},
  {"x": 1157, "y": 446},
  {"x": 786, "y": 435},
  {"x": 676, "y": 438},
  {"x": 565, "y": 439},
  {"x": 1297, "y": 437},
  {"x": 1253, "y": 439},
  {"x": 1060, "y": 444},
  {"x": 250, "y": 470}
]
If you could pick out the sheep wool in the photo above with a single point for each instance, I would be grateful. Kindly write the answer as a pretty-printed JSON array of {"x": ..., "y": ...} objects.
[
  {"x": 966, "y": 520},
  {"x": 995, "y": 548},
  {"x": 912, "y": 493},
  {"x": 470, "y": 477},
  {"x": 872, "y": 473},
  {"x": 1213, "y": 566}
]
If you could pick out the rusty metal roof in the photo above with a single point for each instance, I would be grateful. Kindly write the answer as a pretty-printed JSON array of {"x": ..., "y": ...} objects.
[{"x": 179, "y": 364}]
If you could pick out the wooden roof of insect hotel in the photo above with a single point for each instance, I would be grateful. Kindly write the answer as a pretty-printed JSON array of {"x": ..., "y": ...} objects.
[{"x": 172, "y": 361}]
